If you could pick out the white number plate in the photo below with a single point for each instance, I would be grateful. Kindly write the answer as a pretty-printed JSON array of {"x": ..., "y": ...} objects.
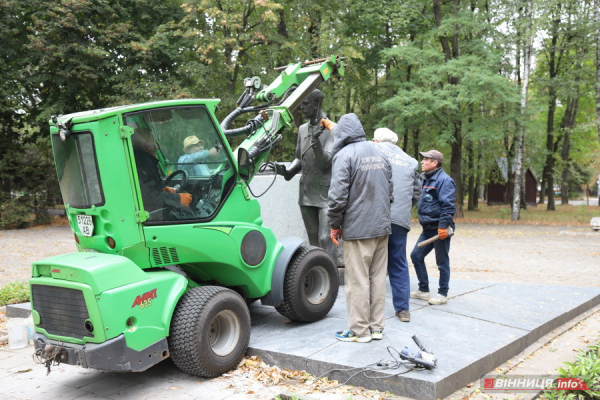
[{"x": 86, "y": 225}]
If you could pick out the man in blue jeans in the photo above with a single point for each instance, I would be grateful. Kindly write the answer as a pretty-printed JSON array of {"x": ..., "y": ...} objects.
[
  {"x": 436, "y": 212},
  {"x": 407, "y": 191}
]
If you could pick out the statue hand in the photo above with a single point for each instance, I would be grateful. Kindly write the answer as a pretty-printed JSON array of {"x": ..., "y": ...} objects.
[
  {"x": 317, "y": 133},
  {"x": 280, "y": 169}
]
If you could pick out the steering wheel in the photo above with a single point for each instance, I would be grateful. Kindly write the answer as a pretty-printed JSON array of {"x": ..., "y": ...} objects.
[{"x": 179, "y": 187}]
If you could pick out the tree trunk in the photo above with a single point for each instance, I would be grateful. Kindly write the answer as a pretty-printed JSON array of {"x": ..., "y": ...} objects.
[
  {"x": 471, "y": 186},
  {"x": 348, "y": 101},
  {"x": 451, "y": 50},
  {"x": 567, "y": 125},
  {"x": 554, "y": 54},
  {"x": 520, "y": 150},
  {"x": 510, "y": 170},
  {"x": 479, "y": 176},
  {"x": 455, "y": 169},
  {"x": 416, "y": 143},
  {"x": 549, "y": 164}
]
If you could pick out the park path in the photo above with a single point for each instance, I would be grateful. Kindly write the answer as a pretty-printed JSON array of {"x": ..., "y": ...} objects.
[{"x": 538, "y": 254}]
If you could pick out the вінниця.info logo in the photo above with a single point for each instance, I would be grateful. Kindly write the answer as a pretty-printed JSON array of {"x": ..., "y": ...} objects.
[{"x": 530, "y": 383}]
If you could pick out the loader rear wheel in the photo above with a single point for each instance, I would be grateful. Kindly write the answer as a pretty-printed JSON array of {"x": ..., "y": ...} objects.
[
  {"x": 210, "y": 331},
  {"x": 310, "y": 286}
]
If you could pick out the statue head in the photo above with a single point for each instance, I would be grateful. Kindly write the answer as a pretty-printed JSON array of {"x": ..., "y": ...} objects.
[
  {"x": 144, "y": 140},
  {"x": 311, "y": 107}
]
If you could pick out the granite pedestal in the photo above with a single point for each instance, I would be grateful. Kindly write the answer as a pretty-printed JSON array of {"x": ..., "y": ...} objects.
[{"x": 483, "y": 325}]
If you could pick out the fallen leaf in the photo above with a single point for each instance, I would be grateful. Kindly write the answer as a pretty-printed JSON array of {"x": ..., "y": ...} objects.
[{"x": 23, "y": 371}]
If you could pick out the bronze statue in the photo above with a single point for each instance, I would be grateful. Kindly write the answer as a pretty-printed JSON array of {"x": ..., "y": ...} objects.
[{"x": 313, "y": 157}]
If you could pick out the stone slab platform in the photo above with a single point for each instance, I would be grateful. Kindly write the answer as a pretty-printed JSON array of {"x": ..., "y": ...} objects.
[{"x": 483, "y": 325}]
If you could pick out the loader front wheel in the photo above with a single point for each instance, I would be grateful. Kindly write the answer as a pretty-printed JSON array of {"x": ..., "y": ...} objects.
[
  {"x": 210, "y": 331},
  {"x": 310, "y": 286}
]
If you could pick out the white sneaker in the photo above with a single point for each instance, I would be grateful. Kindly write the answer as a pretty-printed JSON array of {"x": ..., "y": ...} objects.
[
  {"x": 377, "y": 335},
  {"x": 439, "y": 299},
  {"x": 420, "y": 295}
]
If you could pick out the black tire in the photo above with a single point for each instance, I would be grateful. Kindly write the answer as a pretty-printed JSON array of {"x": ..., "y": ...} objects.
[
  {"x": 311, "y": 285},
  {"x": 210, "y": 331}
]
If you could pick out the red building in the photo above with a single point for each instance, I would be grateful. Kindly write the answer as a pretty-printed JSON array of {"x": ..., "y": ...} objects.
[{"x": 499, "y": 190}]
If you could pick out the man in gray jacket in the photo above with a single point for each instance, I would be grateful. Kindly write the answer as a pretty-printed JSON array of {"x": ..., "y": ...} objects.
[
  {"x": 360, "y": 196},
  {"x": 407, "y": 191}
]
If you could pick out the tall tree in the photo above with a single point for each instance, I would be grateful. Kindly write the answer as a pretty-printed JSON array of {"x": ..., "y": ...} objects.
[
  {"x": 597, "y": 40},
  {"x": 568, "y": 28},
  {"x": 449, "y": 81},
  {"x": 520, "y": 151}
]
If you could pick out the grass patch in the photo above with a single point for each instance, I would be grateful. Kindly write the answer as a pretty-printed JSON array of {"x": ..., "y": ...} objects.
[
  {"x": 14, "y": 292},
  {"x": 563, "y": 215},
  {"x": 586, "y": 368}
]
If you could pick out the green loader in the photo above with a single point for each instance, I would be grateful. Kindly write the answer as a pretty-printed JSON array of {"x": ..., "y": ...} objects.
[{"x": 171, "y": 244}]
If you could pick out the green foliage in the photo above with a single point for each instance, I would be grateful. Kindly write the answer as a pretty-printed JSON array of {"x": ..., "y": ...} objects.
[
  {"x": 14, "y": 214},
  {"x": 14, "y": 293},
  {"x": 587, "y": 368},
  {"x": 66, "y": 56},
  {"x": 286, "y": 397}
]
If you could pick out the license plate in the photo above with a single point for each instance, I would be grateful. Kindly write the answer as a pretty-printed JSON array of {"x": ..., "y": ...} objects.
[{"x": 85, "y": 224}]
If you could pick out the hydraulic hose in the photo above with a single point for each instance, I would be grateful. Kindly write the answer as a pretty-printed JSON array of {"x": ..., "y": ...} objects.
[
  {"x": 250, "y": 126},
  {"x": 232, "y": 115}
]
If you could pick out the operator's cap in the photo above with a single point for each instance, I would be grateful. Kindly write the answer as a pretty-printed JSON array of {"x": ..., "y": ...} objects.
[
  {"x": 433, "y": 154},
  {"x": 191, "y": 140},
  {"x": 385, "y": 135}
]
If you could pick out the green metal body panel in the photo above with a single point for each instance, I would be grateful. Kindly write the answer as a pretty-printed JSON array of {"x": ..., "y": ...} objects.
[
  {"x": 97, "y": 336},
  {"x": 133, "y": 266},
  {"x": 113, "y": 288}
]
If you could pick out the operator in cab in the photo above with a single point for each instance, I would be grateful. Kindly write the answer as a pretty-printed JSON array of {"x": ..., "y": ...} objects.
[
  {"x": 155, "y": 194},
  {"x": 195, "y": 157}
]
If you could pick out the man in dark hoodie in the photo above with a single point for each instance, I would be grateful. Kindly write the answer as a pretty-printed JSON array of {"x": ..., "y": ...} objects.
[{"x": 360, "y": 198}]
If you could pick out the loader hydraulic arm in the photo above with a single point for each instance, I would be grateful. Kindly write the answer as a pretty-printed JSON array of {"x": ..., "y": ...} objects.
[{"x": 281, "y": 98}]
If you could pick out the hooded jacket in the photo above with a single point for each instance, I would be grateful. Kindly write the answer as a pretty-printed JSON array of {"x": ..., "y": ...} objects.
[
  {"x": 407, "y": 182},
  {"x": 436, "y": 206},
  {"x": 361, "y": 190}
]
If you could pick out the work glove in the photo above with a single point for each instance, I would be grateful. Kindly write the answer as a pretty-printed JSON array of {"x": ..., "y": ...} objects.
[
  {"x": 336, "y": 234},
  {"x": 443, "y": 233},
  {"x": 327, "y": 124},
  {"x": 167, "y": 189},
  {"x": 185, "y": 199}
]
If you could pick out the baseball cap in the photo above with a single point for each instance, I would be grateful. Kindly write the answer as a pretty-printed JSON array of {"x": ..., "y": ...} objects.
[
  {"x": 191, "y": 140},
  {"x": 434, "y": 154}
]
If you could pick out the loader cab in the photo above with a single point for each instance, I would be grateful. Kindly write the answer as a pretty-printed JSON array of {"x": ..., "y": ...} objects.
[
  {"x": 105, "y": 155},
  {"x": 179, "y": 150}
]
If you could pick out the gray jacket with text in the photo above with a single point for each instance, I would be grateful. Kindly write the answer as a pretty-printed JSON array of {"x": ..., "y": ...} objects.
[
  {"x": 407, "y": 183},
  {"x": 361, "y": 190}
]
